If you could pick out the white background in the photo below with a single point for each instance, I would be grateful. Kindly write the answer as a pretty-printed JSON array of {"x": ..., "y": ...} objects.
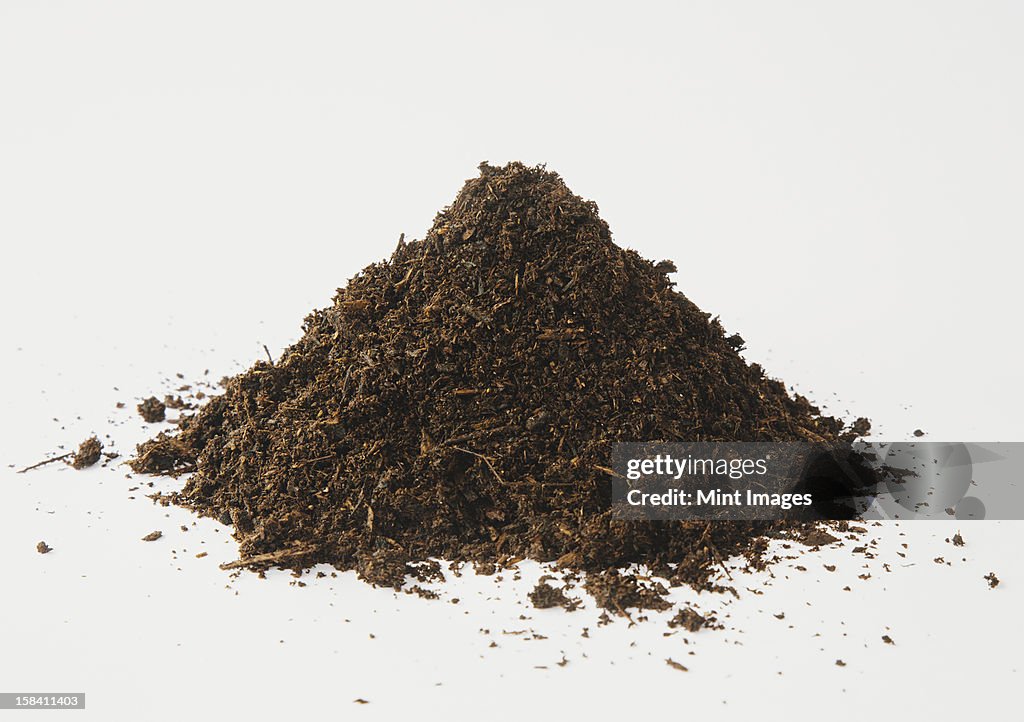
[{"x": 181, "y": 182}]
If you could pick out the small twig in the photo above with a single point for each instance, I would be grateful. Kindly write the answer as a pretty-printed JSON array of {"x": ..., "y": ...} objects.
[
  {"x": 268, "y": 558},
  {"x": 476, "y": 433},
  {"x": 268, "y": 354},
  {"x": 47, "y": 461},
  {"x": 721, "y": 562},
  {"x": 608, "y": 471},
  {"x": 714, "y": 550},
  {"x": 486, "y": 461}
]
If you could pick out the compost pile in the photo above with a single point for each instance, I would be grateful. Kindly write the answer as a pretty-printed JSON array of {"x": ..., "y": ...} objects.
[{"x": 460, "y": 400}]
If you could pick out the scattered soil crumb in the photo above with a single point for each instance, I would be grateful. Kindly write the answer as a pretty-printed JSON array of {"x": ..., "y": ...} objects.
[
  {"x": 616, "y": 592},
  {"x": 426, "y": 571},
  {"x": 422, "y": 593},
  {"x": 177, "y": 403},
  {"x": 692, "y": 621},
  {"x": 545, "y": 596},
  {"x": 992, "y": 579},
  {"x": 815, "y": 537},
  {"x": 89, "y": 452},
  {"x": 152, "y": 410},
  {"x": 153, "y": 536},
  {"x": 675, "y": 665},
  {"x": 43, "y": 548}
]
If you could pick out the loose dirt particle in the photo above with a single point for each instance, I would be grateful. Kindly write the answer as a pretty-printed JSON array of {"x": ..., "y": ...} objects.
[
  {"x": 992, "y": 579},
  {"x": 89, "y": 452},
  {"x": 675, "y": 665},
  {"x": 421, "y": 592},
  {"x": 617, "y": 592},
  {"x": 43, "y": 548},
  {"x": 152, "y": 410},
  {"x": 152, "y": 536},
  {"x": 545, "y": 596},
  {"x": 177, "y": 403},
  {"x": 815, "y": 537},
  {"x": 691, "y": 620}
]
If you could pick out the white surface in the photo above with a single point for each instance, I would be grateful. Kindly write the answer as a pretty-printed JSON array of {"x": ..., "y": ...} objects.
[{"x": 181, "y": 184}]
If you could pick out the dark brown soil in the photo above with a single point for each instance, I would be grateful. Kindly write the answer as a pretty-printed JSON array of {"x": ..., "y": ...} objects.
[
  {"x": 460, "y": 401},
  {"x": 152, "y": 410},
  {"x": 153, "y": 536},
  {"x": 89, "y": 452},
  {"x": 43, "y": 548},
  {"x": 692, "y": 620},
  {"x": 618, "y": 592},
  {"x": 545, "y": 596},
  {"x": 177, "y": 403}
]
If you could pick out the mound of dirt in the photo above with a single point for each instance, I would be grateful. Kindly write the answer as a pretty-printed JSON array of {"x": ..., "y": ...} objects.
[{"x": 460, "y": 401}]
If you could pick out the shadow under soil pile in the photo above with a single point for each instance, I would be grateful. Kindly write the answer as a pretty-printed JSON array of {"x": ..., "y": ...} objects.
[{"x": 461, "y": 399}]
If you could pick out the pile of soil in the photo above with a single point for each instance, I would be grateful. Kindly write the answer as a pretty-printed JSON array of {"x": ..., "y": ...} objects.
[{"x": 460, "y": 401}]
